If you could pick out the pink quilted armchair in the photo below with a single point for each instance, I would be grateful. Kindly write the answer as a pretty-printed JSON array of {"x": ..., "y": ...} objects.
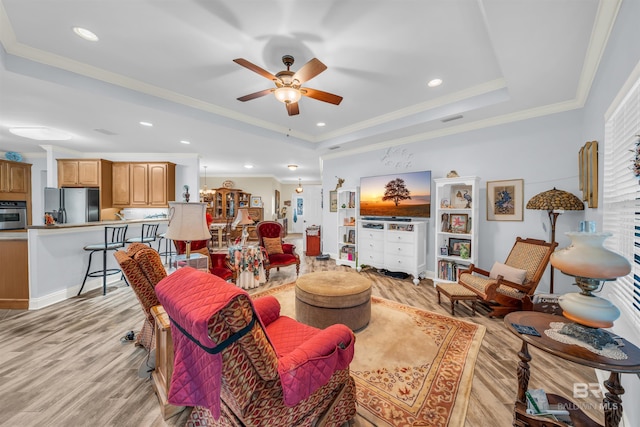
[
  {"x": 143, "y": 269},
  {"x": 240, "y": 363},
  {"x": 279, "y": 254}
]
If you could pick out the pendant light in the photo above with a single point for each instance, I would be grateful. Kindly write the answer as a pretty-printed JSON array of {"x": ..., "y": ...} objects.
[
  {"x": 299, "y": 189},
  {"x": 204, "y": 191}
]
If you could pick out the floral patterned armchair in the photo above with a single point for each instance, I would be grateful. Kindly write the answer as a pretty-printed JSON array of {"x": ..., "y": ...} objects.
[
  {"x": 143, "y": 269},
  {"x": 278, "y": 253},
  {"x": 239, "y": 362}
]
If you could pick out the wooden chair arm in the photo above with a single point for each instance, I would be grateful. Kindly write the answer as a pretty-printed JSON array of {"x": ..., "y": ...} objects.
[
  {"x": 526, "y": 287},
  {"x": 473, "y": 269}
]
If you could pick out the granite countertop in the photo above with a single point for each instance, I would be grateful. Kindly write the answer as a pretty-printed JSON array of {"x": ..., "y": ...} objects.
[
  {"x": 97, "y": 223},
  {"x": 13, "y": 235}
]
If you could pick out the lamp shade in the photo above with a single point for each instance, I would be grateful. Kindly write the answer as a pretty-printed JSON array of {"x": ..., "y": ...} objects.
[
  {"x": 586, "y": 257},
  {"x": 555, "y": 199},
  {"x": 243, "y": 218},
  {"x": 187, "y": 221}
]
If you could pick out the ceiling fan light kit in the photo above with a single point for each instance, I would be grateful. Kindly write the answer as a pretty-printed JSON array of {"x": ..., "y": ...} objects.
[{"x": 288, "y": 83}]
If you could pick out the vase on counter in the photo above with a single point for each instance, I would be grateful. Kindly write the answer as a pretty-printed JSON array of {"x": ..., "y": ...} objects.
[{"x": 186, "y": 194}]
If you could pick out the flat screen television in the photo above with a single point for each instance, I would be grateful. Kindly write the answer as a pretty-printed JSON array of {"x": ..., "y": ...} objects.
[{"x": 399, "y": 195}]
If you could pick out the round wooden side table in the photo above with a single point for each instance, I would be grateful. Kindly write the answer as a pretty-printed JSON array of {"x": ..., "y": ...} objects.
[{"x": 612, "y": 402}]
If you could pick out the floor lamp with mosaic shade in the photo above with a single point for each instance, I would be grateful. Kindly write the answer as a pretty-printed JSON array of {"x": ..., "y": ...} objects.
[{"x": 555, "y": 202}]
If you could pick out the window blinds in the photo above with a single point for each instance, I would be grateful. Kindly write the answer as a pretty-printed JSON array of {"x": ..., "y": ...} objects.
[{"x": 621, "y": 199}]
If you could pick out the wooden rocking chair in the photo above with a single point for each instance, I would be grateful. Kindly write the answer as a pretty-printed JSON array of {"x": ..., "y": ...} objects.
[{"x": 506, "y": 285}]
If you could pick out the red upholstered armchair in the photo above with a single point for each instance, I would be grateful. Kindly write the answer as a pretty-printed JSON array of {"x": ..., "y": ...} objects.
[
  {"x": 279, "y": 254},
  {"x": 218, "y": 265},
  {"x": 261, "y": 368}
]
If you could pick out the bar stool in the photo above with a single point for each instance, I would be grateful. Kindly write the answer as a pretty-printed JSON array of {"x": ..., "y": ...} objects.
[
  {"x": 114, "y": 238},
  {"x": 168, "y": 247},
  {"x": 149, "y": 233}
]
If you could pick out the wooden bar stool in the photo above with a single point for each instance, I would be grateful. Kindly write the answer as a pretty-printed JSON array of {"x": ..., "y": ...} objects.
[{"x": 114, "y": 239}]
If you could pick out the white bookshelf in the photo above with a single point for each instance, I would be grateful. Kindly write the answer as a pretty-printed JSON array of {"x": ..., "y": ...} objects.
[
  {"x": 347, "y": 231},
  {"x": 456, "y": 219}
]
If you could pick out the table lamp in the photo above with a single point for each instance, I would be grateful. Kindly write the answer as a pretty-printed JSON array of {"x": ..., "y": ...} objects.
[
  {"x": 591, "y": 264},
  {"x": 243, "y": 219},
  {"x": 187, "y": 222},
  {"x": 555, "y": 202}
]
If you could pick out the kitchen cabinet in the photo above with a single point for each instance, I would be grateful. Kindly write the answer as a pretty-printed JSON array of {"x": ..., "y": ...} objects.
[
  {"x": 15, "y": 183},
  {"x": 143, "y": 184},
  {"x": 14, "y": 277},
  {"x": 15, "y": 177},
  {"x": 81, "y": 173}
]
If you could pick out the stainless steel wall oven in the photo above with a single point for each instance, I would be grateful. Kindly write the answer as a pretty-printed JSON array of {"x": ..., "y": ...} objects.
[{"x": 13, "y": 215}]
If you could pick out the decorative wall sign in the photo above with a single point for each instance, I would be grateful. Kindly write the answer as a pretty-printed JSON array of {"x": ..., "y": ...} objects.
[
  {"x": 588, "y": 173},
  {"x": 505, "y": 200}
]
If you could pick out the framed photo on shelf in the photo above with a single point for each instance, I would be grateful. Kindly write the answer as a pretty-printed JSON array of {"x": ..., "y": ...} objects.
[
  {"x": 457, "y": 246},
  {"x": 256, "y": 201},
  {"x": 505, "y": 200},
  {"x": 458, "y": 223},
  {"x": 461, "y": 196},
  {"x": 333, "y": 201}
]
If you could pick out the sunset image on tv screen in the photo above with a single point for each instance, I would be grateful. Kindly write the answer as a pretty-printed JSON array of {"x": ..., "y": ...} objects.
[{"x": 398, "y": 195}]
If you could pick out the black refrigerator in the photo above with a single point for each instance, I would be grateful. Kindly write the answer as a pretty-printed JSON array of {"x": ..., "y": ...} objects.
[{"x": 72, "y": 205}]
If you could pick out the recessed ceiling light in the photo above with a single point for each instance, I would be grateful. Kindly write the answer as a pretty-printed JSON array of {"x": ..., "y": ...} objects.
[
  {"x": 40, "y": 133},
  {"x": 85, "y": 34},
  {"x": 146, "y": 124},
  {"x": 321, "y": 124},
  {"x": 185, "y": 142},
  {"x": 248, "y": 166},
  {"x": 292, "y": 167},
  {"x": 434, "y": 83}
]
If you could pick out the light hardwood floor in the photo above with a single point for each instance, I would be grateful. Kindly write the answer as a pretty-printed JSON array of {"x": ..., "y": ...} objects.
[{"x": 65, "y": 365}]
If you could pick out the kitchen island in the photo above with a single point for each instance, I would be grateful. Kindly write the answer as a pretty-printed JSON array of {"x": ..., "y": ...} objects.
[{"x": 58, "y": 262}]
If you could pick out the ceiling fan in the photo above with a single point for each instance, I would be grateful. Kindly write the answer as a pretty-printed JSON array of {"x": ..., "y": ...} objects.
[{"x": 288, "y": 83}]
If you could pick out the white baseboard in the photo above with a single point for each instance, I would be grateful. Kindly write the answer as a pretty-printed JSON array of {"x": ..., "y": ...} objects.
[{"x": 56, "y": 297}]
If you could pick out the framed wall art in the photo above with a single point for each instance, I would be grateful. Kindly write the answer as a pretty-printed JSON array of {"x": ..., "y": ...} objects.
[
  {"x": 458, "y": 223},
  {"x": 256, "y": 201},
  {"x": 333, "y": 201},
  {"x": 588, "y": 173},
  {"x": 458, "y": 246},
  {"x": 505, "y": 200}
]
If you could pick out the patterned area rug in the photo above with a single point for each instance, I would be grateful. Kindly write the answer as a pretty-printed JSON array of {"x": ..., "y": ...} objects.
[{"x": 411, "y": 367}]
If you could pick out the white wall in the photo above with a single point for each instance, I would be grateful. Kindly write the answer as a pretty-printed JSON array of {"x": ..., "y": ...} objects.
[
  {"x": 542, "y": 151},
  {"x": 619, "y": 59}
]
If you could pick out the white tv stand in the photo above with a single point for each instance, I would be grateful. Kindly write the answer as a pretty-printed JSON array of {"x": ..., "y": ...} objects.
[{"x": 394, "y": 246}]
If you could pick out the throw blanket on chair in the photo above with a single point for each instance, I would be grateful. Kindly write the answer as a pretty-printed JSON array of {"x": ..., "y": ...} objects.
[{"x": 190, "y": 298}]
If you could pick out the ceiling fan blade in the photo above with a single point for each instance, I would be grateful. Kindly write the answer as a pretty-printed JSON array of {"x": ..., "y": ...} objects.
[
  {"x": 255, "y": 95},
  {"x": 293, "y": 109},
  {"x": 321, "y": 96},
  {"x": 309, "y": 70},
  {"x": 253, "y": 67}
]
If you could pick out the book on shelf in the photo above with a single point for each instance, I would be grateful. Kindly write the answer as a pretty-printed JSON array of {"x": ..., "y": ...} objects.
[
  {"x": 450, "y": 270},
  {"x": 348, "y": 253}
]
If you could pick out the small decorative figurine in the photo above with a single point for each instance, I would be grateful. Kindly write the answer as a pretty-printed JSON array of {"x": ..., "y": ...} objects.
[{"x": 186, "y": 194}]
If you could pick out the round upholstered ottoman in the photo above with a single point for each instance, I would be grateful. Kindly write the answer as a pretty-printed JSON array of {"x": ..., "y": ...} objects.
[{"x": 325, "y": 298}]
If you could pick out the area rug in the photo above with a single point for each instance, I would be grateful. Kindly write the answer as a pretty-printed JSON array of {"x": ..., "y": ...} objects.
[{"x": 411, "y": 367}]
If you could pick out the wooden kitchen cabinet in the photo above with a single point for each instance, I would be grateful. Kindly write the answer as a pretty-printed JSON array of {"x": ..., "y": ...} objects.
[
  {"x": 82, "y": 172},
  {"x": 15, "y": 177},
  {"x": 143, "y": 184},
  {"x": 121, "y": 184}
]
